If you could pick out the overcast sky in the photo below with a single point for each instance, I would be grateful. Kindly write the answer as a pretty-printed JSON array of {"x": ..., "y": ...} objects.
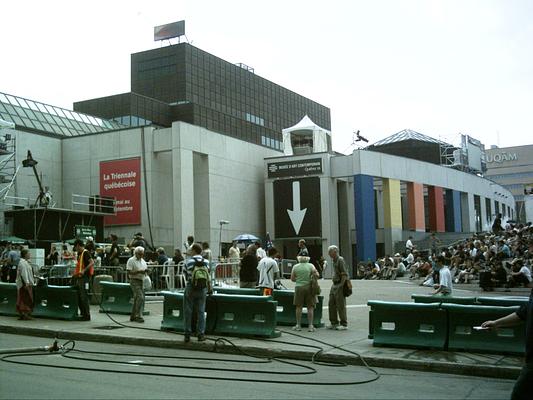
[{"x": 437, "y": 67}]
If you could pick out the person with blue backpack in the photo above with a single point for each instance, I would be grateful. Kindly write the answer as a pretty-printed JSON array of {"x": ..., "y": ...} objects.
[{"x": 196, "y": 290}]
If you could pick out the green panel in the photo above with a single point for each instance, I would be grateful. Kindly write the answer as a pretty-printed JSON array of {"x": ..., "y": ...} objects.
[
  {"x": 57, "y": 302},
  {"x": 502, "y": 301},
  {"x": 462, "y": 336},
  {"x": 173, "y": 311},
  {"x": 287, "y": 310},
  {"x": 238, "y": 315},
  {"x": 8, "y": 299},
  {"x": 117, "y": 298},
  {"x": 408, "y": 325}
]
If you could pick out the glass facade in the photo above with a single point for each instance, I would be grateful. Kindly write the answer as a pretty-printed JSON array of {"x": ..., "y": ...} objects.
[
  {"x": 48, "y": 119},
  {"x": 204, "y": 90}
]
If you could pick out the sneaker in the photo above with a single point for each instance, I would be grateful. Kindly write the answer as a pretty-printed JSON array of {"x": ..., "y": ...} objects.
[
  {"x": 341, "y": 328},
  {"x": 311, "y": 328},
  {"x": 332, "y": 327},
  {"x": 201, "y": 338},
  {"x": 140, "y": 319},
  {"x": 297, "y": 328},
  {"x": 187, "y": 338}
]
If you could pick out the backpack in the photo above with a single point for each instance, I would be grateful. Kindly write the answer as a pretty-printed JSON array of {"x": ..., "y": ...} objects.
[{"x": 199, "y": 276}]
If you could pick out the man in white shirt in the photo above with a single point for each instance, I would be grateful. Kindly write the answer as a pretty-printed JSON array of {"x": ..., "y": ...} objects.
[
  {"x": 234, "y": 253},
  {"x": 268, "y": 271},
  {"x": 444, "y": 287},
  {"x": 409, "y": 246},
  {"x": 136, "y": 267},
  {"x": 260, "y": 252}
]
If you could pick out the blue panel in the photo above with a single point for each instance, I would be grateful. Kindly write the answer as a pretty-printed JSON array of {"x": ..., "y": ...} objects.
[
  {"x": 453, "y": 211},
  {"x": 365, "y": 224}
]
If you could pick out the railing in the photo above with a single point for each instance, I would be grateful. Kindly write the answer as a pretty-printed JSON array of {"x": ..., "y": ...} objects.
[
  {"x": 226, "y": 273},
  {"x": 105, "y": 205}
]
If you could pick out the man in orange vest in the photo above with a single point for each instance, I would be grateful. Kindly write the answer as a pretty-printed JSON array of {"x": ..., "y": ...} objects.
[{"x": 80, "y": 279}]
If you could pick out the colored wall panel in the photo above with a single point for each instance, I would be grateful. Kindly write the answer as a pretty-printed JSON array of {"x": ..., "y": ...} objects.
[
  {"x": 392, "y": 204},
  {"x": 365, "y": 224},
  {"x": 436, "y": 209},
  {"x": 453, "y": 210},
  {"x": 415, "y": 199}
]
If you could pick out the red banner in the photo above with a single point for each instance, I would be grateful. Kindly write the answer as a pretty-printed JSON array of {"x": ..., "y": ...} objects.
[{"x": 121, "y": 179}]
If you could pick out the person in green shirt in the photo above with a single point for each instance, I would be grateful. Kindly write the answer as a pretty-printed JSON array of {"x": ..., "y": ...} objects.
[{"x": 301, "y": 275}]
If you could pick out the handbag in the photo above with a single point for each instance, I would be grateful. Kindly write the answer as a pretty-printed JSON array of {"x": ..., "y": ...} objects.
[
  {"x": 147, "y": 283},
  {"x": 314, "y": 287},
  {"x": 347, "y": 289}
]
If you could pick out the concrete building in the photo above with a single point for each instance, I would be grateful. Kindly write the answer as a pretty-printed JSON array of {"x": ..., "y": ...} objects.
[
  {"x": 512, "y": 168},
  {"x": 370, "y": 202}
]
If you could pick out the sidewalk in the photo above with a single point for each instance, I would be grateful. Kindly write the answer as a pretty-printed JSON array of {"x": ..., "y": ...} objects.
[{"x": 102, "y": 329}]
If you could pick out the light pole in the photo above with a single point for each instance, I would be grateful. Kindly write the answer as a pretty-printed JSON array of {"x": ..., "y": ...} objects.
[{"x": 221, "y": 222}]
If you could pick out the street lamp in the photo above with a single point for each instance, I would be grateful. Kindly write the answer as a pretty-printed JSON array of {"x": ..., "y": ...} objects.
[{"x": 221, "y": 222}]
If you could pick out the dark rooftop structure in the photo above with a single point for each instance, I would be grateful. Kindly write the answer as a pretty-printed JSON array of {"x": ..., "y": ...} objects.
[
  {"x": 183, "y": 83},
  {"x": 415, "y": 145}
]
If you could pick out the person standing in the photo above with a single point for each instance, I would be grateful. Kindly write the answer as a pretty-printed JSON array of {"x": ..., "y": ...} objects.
[
  {"x": 268, "y": 272},
  {"x": 523, "y": 387},
  {"x": 188, "y": 247},
  {"x": 80, "y": 279},
  {"x": 198, "y": 285},
  {"x": 114, "y": 259},
  {"x": 234, "y": 253},
  {"x": 260, "y": 252},
  {"x": 302, "y": 248},
  {"x": 497, "y": 224},
  {"x": 13, "y": 258},
  {"x": 337, "y": 301},
  {"x": 301, "y": 274},
  {"x": 178, "y": 257},
  {"x": 25, "y": 283},
  {"x": 206, "y": 252},
  {"x": 435, "y": 243},
  {"x": 137, "y": 268},
  {"x": 248, "y": 271}
]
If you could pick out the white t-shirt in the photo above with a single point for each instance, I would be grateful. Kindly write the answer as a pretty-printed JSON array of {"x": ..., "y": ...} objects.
[
  {"x": 410, "y": 258},
  {"x": 267, "y": 267},
  {"x": 134, "y": 265},
  {"x": 409, "y": 244},
  {"x": 526, "y": 272}
]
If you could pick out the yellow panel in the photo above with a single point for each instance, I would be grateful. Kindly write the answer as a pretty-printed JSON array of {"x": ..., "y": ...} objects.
[{"x": 392, "y": 203}]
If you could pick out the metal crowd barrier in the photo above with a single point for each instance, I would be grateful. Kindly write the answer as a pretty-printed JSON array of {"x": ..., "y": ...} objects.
[{"x": 226, "y": 273}]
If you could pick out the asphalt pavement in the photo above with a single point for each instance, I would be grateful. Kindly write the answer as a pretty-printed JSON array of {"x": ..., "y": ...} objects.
[{"x": 181, "y": 374}]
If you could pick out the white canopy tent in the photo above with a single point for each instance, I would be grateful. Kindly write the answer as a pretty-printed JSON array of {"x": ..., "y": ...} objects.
[{"x": 321, "y": 138}]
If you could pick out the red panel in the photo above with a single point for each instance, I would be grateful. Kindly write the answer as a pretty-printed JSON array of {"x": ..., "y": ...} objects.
[
  {"x": 122, "y": 179},
  {"x": 436, "y": 209},
  {"x": 415, "y": 199}
]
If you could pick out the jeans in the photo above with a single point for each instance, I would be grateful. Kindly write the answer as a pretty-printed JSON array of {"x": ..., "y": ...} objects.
[
  {"x": 138, "y": 298},
  {"x": 82, "y": 284},
  {"x": 523, "y": 387},
  {"x": 194, "y": 299}
]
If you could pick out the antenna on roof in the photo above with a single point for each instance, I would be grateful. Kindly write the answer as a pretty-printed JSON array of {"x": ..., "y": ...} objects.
[{"x": 356, "y": 138}]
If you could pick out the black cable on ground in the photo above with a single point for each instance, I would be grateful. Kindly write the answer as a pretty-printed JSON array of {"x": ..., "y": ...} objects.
[{"x": 217, "y": 341}]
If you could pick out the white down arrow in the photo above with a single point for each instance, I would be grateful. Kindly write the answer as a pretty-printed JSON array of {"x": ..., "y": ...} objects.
[{"x": 296, "y": 215}]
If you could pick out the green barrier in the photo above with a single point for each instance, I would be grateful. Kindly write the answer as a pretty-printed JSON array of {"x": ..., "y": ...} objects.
[
  {"x": 506, "y": 301},
  {"x": 173, "y": 311},
  {"x": 117, "y": 298},
  {"x": 408, "y": 325},
  {"x": 462, "y": 336},
  {"x": 238, "y": 315},
  {"x": 8, "y": 299},
  {"x": 56, "y": 302},
  {"x": 287, "y": 310},
  {"x": 424, "y": 298},
  {"x": 371, "y": 324},
  {"x": 238, "y": 291}
]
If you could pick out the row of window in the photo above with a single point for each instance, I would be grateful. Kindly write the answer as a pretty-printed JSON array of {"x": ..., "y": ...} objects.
[
  {"x": 273, "y": 143},
  {"x": 132, "y": 120},
  {"x": 514, "y": 175},
  {"x": 255, "y": 119}
]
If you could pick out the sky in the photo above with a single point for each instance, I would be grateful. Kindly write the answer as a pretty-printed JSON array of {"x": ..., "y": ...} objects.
[{"x": 438, "y": 67}]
